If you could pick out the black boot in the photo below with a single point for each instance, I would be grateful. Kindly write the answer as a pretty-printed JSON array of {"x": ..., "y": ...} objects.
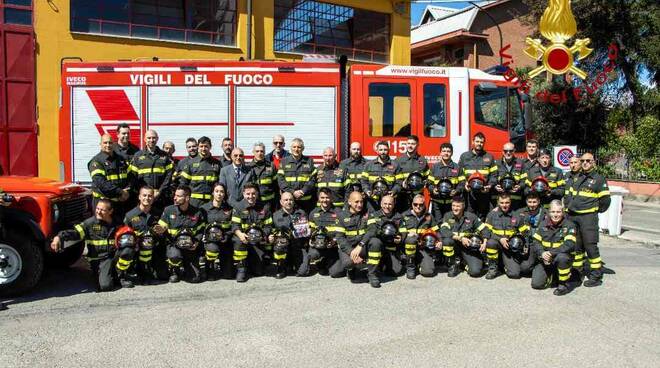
[
  {"x": 241, "y": 272},
  {"x": 595, "y": 278},
  {"x": 372, "y": 275},
  {"x": 280, "y": 271},
  {"x": 212, "y": 270},
  {"x": 174, "y": 275},
  {"x": 411, "y": 270},
  {"x": 352, "y": 275},
  {"x": 493, "y": 271},
  {"x": 454, "y": 264},
  {"x": 148, "y": 274},
  {"x": 3, "y": 306},
  {"x": 125, "y": 280},
  {"x": 562, "y": 289}
]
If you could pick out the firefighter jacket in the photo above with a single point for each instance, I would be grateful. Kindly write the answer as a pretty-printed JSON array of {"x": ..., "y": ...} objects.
[
  {"x": 440, "y": 172},
  {"x": 533, "y": 220},
  {"x": 109, "y": 176},
  {"x": 221, "y": 215},
  {"x": 376, "y": 220},
  {"x": 555, "y": 238},
  {"x": 554, "y": 177},
  {"x": 265, "y": 176},
  {"x": 297, "y": 174},
  {"x": 515, "y": 168},
  {"x": 179, "y": 167},
  {"x": 589, "y": 194},
  {"x": 482, "y": 162},
  {"x": 412, "y": 226},
  {"x": 335, "y": 179},
  {"x": 464, "y": 226},
  {"x": 244, "y": 217},
  {"x": 201, "y": 174},
  {"x": 126, "y": 153},
  {"x": 387, "y": 170},
  {"x": 351, "y": 228},
  {"x": 569, "y": 179},
  {"x": 283, "y": 221},
  {"x": 502, "y": 224},
  {"x": 174, "y": 220},
  {"x": 353, "y": 168},
  {"x": 99, "y": 237},
  {"x": 324, "y": 218},
  {"x": 140, "y": 221},
  {"x": 411, "y": 163},
  {"x": 151, "y": 168}
]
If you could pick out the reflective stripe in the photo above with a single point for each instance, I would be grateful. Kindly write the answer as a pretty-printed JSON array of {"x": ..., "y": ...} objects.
[
  {"x": 503, "y": 232},
  {"x": 333, "y": 228},
  {"x": 268, "y": 197},
  {"x": 204, "y": 178},
  {"x": 372, "y": 221},
  {"x": 570, "y": 237},
  {"x": 162, "y": 223},
  {"x": 548, "y": 244},
  {"x": 149, "y": 170},
  {"x": 296, "y": 178},
  {"x": 338, "y": 204},
  {"x": 588, "y": 210},
  {"x": 80, "y": 230},
  {"x": 123, "y": 264},
  {"x": 101, "y": 242},
  {"x": 240, "y": 255},
  {"x": 174, "y": 263},
  {"x": 116, "y": 176},
  {"x": 101, "y": 196},
  {"x": 97, "y": 172},
  {"x": 200, "y": 196},
  {"x": 331, "y": 185},
  {"x": 278, "y": 256},
  {"x": 355, "y": 232},
  {"x": 266, "y": 181}
]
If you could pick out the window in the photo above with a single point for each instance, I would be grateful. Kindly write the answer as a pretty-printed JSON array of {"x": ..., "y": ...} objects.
[
  {"x": 314, "y": 27},
  {"x": 389, "y": 110},
  {"x": 16, "y": 12},
  {"x": 435, "y": 122},
  {"x": 496, "y": 107},
  {"x": 194, "y": 21}
]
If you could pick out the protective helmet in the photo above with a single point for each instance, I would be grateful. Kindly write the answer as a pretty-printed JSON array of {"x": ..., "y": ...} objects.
[
  {"x": 445, "y": 187},
  {"x": 214, "y": 233},
  {"x": 354, "y": 187},
  {"x": 476, "y": 241},
  {"x": 320, "y": 238},
  {"x": 544, "y": 152},
  {"x": 415, "y": 182},
  {"x": 185, "y": 239},
  {"x": 125, "y": 237},
  {"x": 476, "y": 181},
  {"x": 380, "y": 187},
  {"x": 517, "y": 244},
  {"x": 507, "y": 182},
  {"x": 148, "y": 240},
  {"x": 540, "y": 185},
  {"x": 388, "y": 231},
  {"x": 428, "y": 239},
  {"x": 282, "y": 241},
  {"x": 255, "y": 235}
]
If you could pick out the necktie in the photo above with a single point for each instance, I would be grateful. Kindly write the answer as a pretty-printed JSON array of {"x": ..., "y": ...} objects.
[{"x": 238, "y": 174}]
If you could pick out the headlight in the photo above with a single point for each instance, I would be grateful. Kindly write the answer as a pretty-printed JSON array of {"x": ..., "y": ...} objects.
[{"x": 56, "y": 212}]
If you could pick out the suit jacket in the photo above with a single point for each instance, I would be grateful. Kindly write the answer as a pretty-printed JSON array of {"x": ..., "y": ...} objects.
[{"x": 234, "y": 190}]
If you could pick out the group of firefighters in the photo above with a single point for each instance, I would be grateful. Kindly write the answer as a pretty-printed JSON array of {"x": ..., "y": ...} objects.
[{"x": 204, "y": 218}]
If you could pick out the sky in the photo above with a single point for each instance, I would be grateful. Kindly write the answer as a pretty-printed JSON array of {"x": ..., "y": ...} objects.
[{"x": 418, "y": 9}]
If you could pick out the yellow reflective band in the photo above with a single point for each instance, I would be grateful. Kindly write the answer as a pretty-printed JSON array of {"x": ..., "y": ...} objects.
[
  {"x": 587, "y": 194},
  {"x": 268, "y": 197},
  {"x": 266, "y": 181},
  {"x": 538, "y": 237},
  {"x": 173, "y": 231},
  {"x": 603, "y": 193},
  {"x": 445, "y": 225},
  {"x": 523, "y": 228},
  {"x": 149, "y": 170},
  {"x": 240, "y": 255},
  {"x": 117, "y": 176},
  {"x": 374, "y": 254},
  {"x": 338, "y": 204},
  {"x": 391, "y": 249},
  {"x": 503, "y": 232},
  {"x": 97, "y": 172},
  {"x": 355, "y": 232},
  {"x": 101, "y": 196},
  {"x": 145, "y": 258},
  {"x": 578, "y": 264},
  {"x": 278, "y": 256},
  {"x": 236, "y": 220},
  {"x": 491, "y": 251},
  {"x": 334, "y": 228},
  {"x": 296, "y": 178},
  {"x": 595, "y": 260},
  {"x": 173, "y": 263},
  {"x": 212, "y": 178},
  {"x": 340, "y": 229},
  {"x": 268, "y": 221},
  {"x": 213, "y": 255},
  {"x": 548, "y": 244},
  {"x": 492, "y": 169},
  {"x": 373, "y": 261},
  {"x": 411, "y": 246},
  {"x": 80, "y": 230},
  {"x": 372, "y": 221},
  {"x": 146, "y": 252},
  {"x": 100, "y": 242},
  {"x": 564, "y": 271},
  {"x": 185, "y": 175},
  {"x": 570, "y": 237},
  {"x": 588, "y": 210},
  {"x": 481, "y": 227},
  {"x": 123, "y": 264},
  {"x": 200, "y": 196}
]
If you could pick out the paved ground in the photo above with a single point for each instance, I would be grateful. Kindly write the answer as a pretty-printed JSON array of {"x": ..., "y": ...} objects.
[
  {"x": 641, "y": 222},
  {"x": 321, "y": 322}
]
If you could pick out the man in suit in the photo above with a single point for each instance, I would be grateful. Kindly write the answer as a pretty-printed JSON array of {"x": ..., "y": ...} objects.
[{"x": 235, "y": 176}]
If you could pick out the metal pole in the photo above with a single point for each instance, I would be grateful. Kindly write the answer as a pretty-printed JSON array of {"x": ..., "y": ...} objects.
[
  {"x": 495, "y": 23},
  {"x": 249, "y": 30}
]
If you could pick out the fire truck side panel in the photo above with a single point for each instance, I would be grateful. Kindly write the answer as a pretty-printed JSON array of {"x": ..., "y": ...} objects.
[{"x": 460, "y": 112}]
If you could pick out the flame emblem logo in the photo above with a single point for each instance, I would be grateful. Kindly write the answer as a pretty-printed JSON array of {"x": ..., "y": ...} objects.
[{"x": 558, "y": 26}]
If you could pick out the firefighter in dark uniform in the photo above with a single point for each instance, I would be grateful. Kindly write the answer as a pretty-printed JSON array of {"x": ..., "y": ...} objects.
[
  {"x": 503, "y": 224},
  {"x": 191, "y": 148},
  {"x": 570, "y": 178},
  {"x": 380, "y": 168},
  {"x": 354, "y": 165},
  {"x": 251, "y": 214},
  {"x": 278, "y": 153},
  {"x": 201, "y": 173},
  {"x": 532, "y": 214},
  {"x": 227, "y": 147},
  {"x": 457, "y": 228},
  {"x": 512, "y": 167},
  {"x": 591, "y": 196},
  {"x": 106, "y": 261},
  {"x": 265, "y": 175},
  {"x": 553, "y": 243},
  {"x": 532, "y": 148},
  {"x": 292, "y": 221},
  {"x": 392, "y": 253},
  {"x": 182, "y": 216},
  {"x": 152, "y": 167},
  {"x": 415, "y": 222},
  {"x": 445, "y": 169},
  {"x": 324, "y": 216},
  {"x": 353, "y": 249},
  {"x": 329, "y": 175},
  {"x": 478, "y": 160},
  {"x": 297, "y": 175},
  {"x": 219, "y": 257},
  {"x": 109, "y": 173},
  {"x": 410, "y": 162},
  {"x": 124, "y": 148},
  {"x": 552, "y": 175}
]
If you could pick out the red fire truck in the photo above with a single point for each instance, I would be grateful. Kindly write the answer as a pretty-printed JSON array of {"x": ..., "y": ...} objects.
[{"x": 325, "y": 104}]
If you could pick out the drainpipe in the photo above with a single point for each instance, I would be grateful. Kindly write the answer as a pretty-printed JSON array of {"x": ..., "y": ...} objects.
[{"x": 249, "y": 29}]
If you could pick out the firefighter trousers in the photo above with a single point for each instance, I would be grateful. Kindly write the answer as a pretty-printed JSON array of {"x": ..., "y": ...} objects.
[
  {"x": 323, "y": 258},
  {"x": 221, "y": 253},
  {"x": 185, "y": 261},
  {"x": 104, "y": 269},
  {"x": 474, "y": 261},
  {"x": 298, "y": 257},
  {"x": 253, "y": 257},
  {"x": 393, "y": 259},
  {"x": 516, "y": 265},
  {"x": 370, "y": 253},
  {"x": 587, "y": 242},
  {"x": 439, "y": 209},
  {"x": 426, "y": 261},
  {"x": 542, "y": 274},
  {"x": 478, "y": 203}
]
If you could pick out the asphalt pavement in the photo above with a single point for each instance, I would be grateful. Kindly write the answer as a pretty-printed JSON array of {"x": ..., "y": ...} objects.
[
  {"x": 641, "y": 222},
  {"x": 321, "y": 322}
]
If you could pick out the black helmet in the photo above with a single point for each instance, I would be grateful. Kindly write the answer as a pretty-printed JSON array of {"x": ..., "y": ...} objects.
[
  {"x": 282, "y": 241},
  {"x": 544, "y": 152},
  {"x": 380, "y": 187},
  {"x": 415, "y": 181},
  {"x": 508, "y": 182},
  {"x": 476, "y": 241},
  {"x": 445, "y": 187},
  {"x": 388, "y": 231},
  {"x": 354, "y": 187},
  {"x": 428, "y": 239},
  {"x": 214, "y": 233},
  {"x": 517, "y": 244},
  {"x": 255, "y": 235},
  {"x": 320, "y": 238},
  {"x": 148, "y": 240},
  {"x": 185, "y": 239},
  {"x": 476, "y": 181},
  {"x": 540, "y": 185}
]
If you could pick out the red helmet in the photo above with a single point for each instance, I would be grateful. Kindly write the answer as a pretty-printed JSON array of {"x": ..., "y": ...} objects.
[
  {"x": 427, "y": 239},
  {"x": 540, "y": 185},
  {"x": 125, "y": 237},
  {"x": 476, "y": 181}
]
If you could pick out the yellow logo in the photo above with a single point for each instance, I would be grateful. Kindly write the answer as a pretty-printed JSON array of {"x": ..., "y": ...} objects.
[{"x": 558, "y": 26}]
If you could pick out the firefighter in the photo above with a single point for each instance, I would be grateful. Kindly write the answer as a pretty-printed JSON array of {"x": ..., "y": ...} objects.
[
  {"x": 503, "y": 224},
  {"x": 410, "y": 162},
  {"x": 380, "y": 168},
  {"x": 416, "y": 221},
  {"x": 109, "y": 173},
  {"x": 170, "y": 148},
  {"x": 510, "y": 170},
  {"x": 553, "y": 243},
  {"x": 330, "y": 175},
  {"x": 444, "y": 170},
  {"x": 354, "y": 166},
  {"x": 573, "y": 175},
  {"x": 533, "y": 214},
  {"x": 124, "y": 148},
  {"x": 152, "y": 167},
  {"x": 278, "y": 153},
  {"x": 392, "y": 254},
  {"x": 106, "y": 261},
  {"x": 191, "y": 148},
  {"x": 297, "y": 175},
  {"x": 461, "y": 233},
  {"x": 292, "y": 222},
  {"x": 353, "y": 250},
  {"x": 177, "y": 218},
  {"x": 251, "y": 251},
  {"x": 477, "y": 160},
  {"x": 551, "y": 174},
  {"x": 219, "y": 255},
  {"x": 324, "y": 216},
  {"x": 532, "y": 152},
  {"x": 201, "y": 173},
  {"x": 265, "y": 175},
  {"x": 143, "y": 219},
  {"x": 591, "y": 196},
  {"x": 227, "y": 147}
]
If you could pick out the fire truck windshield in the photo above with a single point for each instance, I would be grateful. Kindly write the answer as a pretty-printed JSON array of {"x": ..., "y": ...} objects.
[{"x": 500, "y": 108}]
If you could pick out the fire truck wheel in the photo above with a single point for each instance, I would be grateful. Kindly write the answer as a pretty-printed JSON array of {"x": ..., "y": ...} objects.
[
  {"x": 21, "y": 264},
  {"x": 67, "y": 258}
]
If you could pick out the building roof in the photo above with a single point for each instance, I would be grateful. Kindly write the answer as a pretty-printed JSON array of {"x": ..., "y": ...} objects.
[
  {"x": 432, "y": 12},
  {"x": 450, "y": 22}
]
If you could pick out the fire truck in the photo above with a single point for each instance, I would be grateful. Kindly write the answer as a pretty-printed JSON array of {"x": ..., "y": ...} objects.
[{"x": 327, "y": 104}]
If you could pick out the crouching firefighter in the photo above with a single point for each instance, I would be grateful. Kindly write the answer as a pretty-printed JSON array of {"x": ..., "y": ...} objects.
[
  {"x": 184, "y": 224},
  {"x": 383, "y": 232},
  {"x": 353, "y": 249},
  {"x": 553, "y": 243},
  {"x": 217, "y": 247},
  {"x": 293, "y": 231},
  {"x": 322, "y": 244},
  {"x": 416, "y": 221},
  {"x": 106, "y": 261}
]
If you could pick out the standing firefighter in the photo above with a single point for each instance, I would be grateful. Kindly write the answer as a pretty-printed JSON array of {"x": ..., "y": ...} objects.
[
  {"x": 264, "y": 174},
  {"x": 382, "y": 170},
  {"x": 297, "y": 175},
  {"x": 411, "y": 163},
  {"x": 545, "y": 179},
  {"x": 109, "y": 173},
  {"x": 152, "y": 167},
  {"x": 510, "y": 177},
  {"x": 201, "y": 173},
  {"x": 445, "y": 181},
  {"x": 354, "y": 166},
  {"x": 479, "y": 169},
  {"x": 330, "y": 175}
]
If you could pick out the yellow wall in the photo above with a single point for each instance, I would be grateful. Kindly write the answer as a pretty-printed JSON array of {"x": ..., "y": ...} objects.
[{"x": 54, "y": 41}]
